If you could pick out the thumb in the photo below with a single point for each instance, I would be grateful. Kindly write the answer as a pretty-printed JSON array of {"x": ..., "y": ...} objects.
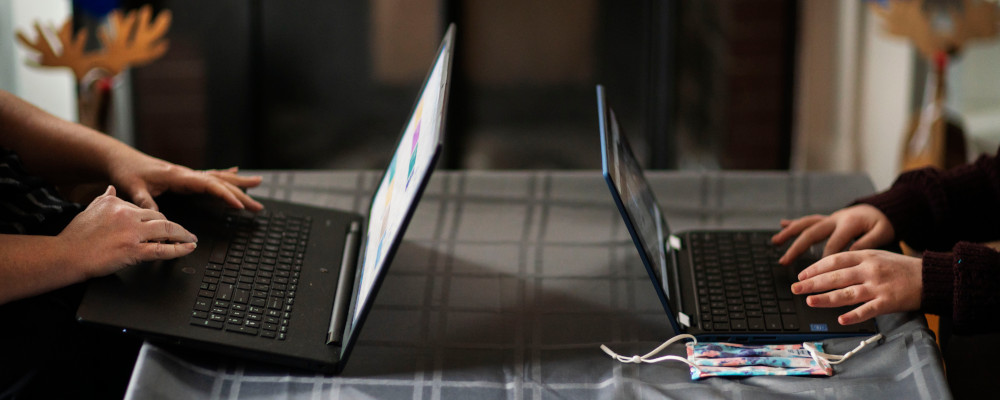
[{"x": 110, "y": 191}]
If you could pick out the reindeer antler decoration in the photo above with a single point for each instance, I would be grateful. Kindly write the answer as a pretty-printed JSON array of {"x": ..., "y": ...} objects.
[
  {"x": 969, "y": 19},
  {"x": 134, "y": 39}
]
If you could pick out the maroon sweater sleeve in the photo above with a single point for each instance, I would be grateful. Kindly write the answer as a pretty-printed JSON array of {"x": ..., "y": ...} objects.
[
  {"x": 965, "y": 285},
  {"x": 945, "y": 210}
]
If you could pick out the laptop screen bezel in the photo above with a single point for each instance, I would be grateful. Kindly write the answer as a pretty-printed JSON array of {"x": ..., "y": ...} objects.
[
  {"x": 354, "y": 322},
  {"x": 610, "y": 137}
]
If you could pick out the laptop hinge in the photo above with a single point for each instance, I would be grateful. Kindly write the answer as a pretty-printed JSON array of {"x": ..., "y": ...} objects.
[
  {"x": 342, "y": 297},
  {"x": 683, "y": 319},
  {"x": 674, "y": 243}
]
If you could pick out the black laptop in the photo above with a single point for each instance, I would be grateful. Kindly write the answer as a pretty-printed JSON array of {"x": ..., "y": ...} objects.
[
  {"x": 292, "y": 284},
  {"x": 719, "y": 285}
]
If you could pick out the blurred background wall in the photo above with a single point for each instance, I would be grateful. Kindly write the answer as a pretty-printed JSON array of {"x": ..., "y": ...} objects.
[{"x": 699, "y": 85}]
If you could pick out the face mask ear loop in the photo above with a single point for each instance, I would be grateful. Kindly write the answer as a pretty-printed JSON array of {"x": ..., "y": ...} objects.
[
  {"x": 834, "y": 359},
  {"x": 646, "y": 358}
]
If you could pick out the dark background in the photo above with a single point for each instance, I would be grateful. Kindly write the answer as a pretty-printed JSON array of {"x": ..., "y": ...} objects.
[{"x": 329, "y": 84}]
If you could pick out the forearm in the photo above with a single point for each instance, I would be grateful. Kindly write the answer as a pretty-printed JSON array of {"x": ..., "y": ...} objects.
[
  {"x": 55, "y": 149},
  {"x": 32, "y": 265}
]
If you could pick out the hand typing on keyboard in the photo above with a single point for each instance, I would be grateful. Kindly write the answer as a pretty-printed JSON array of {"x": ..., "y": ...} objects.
[
  {"x": 880, "y": 282},
  {"x": 863, "y": 222},
  {"x": 39, "y": 150},
  {"x": 107, "y": 236},
  {"x": 111, "y": 234},
  {"x": 142, "y": 178}
]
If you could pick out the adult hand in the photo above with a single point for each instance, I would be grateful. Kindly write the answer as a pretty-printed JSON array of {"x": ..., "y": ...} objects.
[
  {"x": 841, "y": 227},
  {"x": 111, "y": 234},
  {"x": 882, "y": 282},
  {"x": 143, "y": 177}
]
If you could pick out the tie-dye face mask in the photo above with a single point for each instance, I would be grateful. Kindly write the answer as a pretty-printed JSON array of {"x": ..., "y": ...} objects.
[{"x": 730, "y": 359}]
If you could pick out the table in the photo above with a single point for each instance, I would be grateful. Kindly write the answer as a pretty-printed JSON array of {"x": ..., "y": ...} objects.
[{"x": 508, "y": 282}]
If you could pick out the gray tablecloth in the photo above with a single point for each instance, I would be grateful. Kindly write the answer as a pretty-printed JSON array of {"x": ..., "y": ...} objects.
[{"x": 507, "y": 283}]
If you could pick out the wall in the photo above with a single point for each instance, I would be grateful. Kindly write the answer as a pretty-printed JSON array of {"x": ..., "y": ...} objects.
[
  {"x": 854, "y": 92},
  {"x": 885, "y": 100},
  {"x": 50, "y": 89},
  {"x": 974, "y": 93}
]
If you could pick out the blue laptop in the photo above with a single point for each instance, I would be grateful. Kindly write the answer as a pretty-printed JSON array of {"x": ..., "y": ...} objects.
[{"x": 719, "y": 285}]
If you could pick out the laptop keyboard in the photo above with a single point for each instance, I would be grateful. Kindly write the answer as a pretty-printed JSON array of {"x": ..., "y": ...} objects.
[
  {"x": 740, "y": 285},
  {"x": 250, "y": 282}
]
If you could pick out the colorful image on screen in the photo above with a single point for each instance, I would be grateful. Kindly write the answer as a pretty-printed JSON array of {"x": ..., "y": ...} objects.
[{"x": 398, "y": 189}]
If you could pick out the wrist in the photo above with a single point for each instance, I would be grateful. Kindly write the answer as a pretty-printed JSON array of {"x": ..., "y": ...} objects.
[
  {"x": 73, "y": 264},
  {"x": 938, "y": 279}
]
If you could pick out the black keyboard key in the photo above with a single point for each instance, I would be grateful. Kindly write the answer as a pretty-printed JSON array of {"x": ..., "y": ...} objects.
[
  {"x": 755, "y": 324},
  {"x": 783, "y": 284},
  {"x": 242, "y": 296},
  {"x": 738, "y": 325},
  {"x": 772, "y": 322},
  {"x": 199, "y": 314},
  {"x": 225, "y": 292},
  {"x": 206, "y": 323},
  {"x": 786, "y": 307},
  {"x": 268, "y": 334},
  {"x": 202, "y": 304},
  {"x": 242, "y": 329},
  {"x": 275, "y": 303},
  {"x": 218, "y": 255},
  {"x": 789, "y": 322}
]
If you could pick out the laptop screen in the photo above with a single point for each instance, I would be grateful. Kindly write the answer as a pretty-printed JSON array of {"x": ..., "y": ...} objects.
[
  {"x": 402, "y": 182},
  {"x": 635, "y": 201}
]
